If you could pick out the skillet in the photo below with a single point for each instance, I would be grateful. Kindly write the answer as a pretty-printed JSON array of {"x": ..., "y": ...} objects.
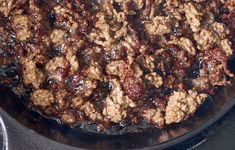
[{"x": 14, "y": 112}]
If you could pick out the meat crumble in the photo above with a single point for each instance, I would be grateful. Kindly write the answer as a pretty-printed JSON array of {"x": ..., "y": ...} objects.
[{"x": 118, "y": 61}]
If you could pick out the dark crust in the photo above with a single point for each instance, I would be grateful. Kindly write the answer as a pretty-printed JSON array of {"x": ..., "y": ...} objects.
[{"x": 82, "y": 53}]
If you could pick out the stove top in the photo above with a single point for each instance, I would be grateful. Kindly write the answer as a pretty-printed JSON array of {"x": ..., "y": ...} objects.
[{"x": 218, "y": 136}]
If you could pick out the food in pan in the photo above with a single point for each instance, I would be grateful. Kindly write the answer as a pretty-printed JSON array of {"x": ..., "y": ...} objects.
[{"x": 115, "y": 62}]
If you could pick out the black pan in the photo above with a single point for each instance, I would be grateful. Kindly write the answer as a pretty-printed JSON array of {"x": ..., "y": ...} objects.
[{"x": 13, "y": 110}]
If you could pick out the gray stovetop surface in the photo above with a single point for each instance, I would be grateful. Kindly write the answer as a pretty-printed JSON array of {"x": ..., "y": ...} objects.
[{"x": 217, "y": 137}]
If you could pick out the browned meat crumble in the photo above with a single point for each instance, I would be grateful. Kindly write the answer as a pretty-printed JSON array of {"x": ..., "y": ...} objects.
[{"x": 113, "y": 61}]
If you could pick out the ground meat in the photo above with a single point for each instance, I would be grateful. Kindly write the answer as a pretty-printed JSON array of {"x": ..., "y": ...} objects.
[
  {"x": 226, "y": 45},
  {"x": 175, "y": 7},
  {"x": 214, "y": 36},
  {"x": 91, "y": 112},
  {"x": 205, "y": 39},
  {"x": 22, "y": 26},
  {"x": 7, "y": 38},
  {"x": 65, "y": 17},
  {"x": 116, "y": 68},
  {"x": 68, "y": 117},
  {"x": 57, "y": 68},
  {"x": 154, "y": 79},
  {"x": 115, "y": 106},
  {"x": 73, "y": 61},
  {"x": 116, "y": 62},
  {"x": 154, "y": 116},
  {"x": 159, "y": 25},
  {"x": 5, "y": 6},
  {"x": 42, "y": 98},
  {"x": 214, "y": 67},
  {"x": 80, "y": 85},
  {"x": 182, "y": 104},
  {"x": 94, "y": 71},
  {"x": 77, "y": 102},
  {"x": 193, "y": 15},
  {"x": 185, "y": 44},
  {"x": 57, "y": 36},
  {"x": 31, "y": 74}
]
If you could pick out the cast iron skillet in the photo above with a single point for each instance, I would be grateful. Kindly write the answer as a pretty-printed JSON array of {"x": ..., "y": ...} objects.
[{"x": 210, "y": 112}]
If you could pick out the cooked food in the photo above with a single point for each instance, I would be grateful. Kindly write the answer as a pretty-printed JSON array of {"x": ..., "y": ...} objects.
[{"x": 115, "y": 62}]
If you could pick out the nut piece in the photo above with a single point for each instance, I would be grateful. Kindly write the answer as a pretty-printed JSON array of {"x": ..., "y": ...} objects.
[
  {"x": 182, "y": 104},
  {"x": 42, "y": 98}
]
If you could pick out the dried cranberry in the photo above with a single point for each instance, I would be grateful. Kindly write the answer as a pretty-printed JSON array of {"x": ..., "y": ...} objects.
[{"x": 133, "y": 89}]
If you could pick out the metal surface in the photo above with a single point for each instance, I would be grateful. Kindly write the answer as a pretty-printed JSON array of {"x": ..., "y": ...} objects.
[{"x": 3, "y": 135}]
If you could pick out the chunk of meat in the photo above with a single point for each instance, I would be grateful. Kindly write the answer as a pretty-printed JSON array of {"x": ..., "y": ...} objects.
[
  {"x": 154, "y": 79},
  {"x": 193, "y": 16},
  {"x": 81, "y": 85},
  {"x": 22, "y": 26},
  {"x": 77, "y": 102},
  {"x": 205, "y": 39},
  {"x": 73, "y": 61},
  {"x": 159, "y": 25},
  {"x": 94, "y": 71},
  {"x": 183, "y": 104},
  {"x": 5, "y": 6},
  {"x": 185, "y": 44},
  {"x": 226, "y": 45},
  {"x": 57, "y": 68},
  {"x": 32, "y": 74},
  {"x": 154, "y": 116},
  {"x": 91, "y": 112},
  {"x": 214, "y": 35},
  {"x": 42, "y": 98},
  {"x": 116, "y": 104},
  {"x": 68, "y": 117},
  {"x": 116, "y": 68},
  {"x": 57, "y": 36}
]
